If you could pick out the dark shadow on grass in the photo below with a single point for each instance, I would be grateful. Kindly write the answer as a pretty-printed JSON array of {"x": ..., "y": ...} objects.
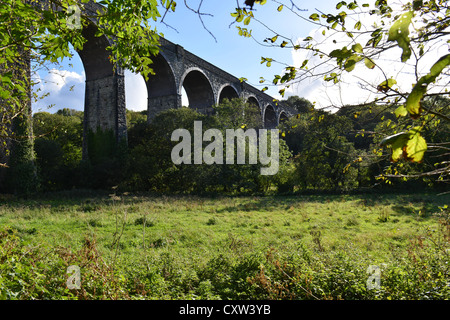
[{"x": 92, "y": 200}]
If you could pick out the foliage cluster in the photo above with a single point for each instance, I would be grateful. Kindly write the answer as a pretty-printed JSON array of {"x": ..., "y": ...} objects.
[
  {"x": 319, "y": 151},
  {"x": 359, "y": 37}
]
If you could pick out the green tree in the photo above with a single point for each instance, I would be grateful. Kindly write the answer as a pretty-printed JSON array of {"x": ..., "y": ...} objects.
[
  {"x": 58, "y": 144},
  {"x": 237, "y": 113},
  {"x": 136, "y": 118},
  {"x": 21, "y": 175},
  {"x": 417, "y": 29},
  {"x": 43, "y": 32},
  {"x": 433, "y": 162},
  {"x": 301, "y": 105},
  {"x": 150, "y": 165},
  {"x": 323, "y": 158}
]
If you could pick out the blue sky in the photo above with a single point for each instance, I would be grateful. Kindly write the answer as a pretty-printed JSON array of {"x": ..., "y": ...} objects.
[
  {"x": 237, "y": 55},
  {"x": 241, "y": 56}
]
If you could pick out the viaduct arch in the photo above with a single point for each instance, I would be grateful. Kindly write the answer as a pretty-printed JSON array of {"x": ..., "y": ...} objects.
[
  {"x": 204, "y": 83},
  {"x": 175, "y": 68}
]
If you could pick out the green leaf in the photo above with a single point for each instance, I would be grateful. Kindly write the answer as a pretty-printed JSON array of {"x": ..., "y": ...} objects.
[
  {"x": 276, "y": 79},
  {"x": 357, "y": 48},
  {"x": 280, "y": 8},
  {"x": 332, "y": 76},
  {"x": 369, "y": 63},
  {"x": 314, "y": 17},
  {"x": 417, "y": 4},
  {"x": 400, "y": 32},
  {"x": 352, "y": 5},
  {"x": 343, "y": 53},
  {"x": 284, "y": 44},
  {"x": 304, "y": 63},
  {"x": 351, "y": 62},
  {"x": 401, "y": 111},
  {"x": 247, "y": 20},
  {"x": 340, "y": 4},
  {"x": 413, "y": 102}
]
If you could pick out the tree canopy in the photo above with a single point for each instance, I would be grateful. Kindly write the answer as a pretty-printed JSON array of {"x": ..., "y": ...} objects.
[{"x": 364, "y": 34}]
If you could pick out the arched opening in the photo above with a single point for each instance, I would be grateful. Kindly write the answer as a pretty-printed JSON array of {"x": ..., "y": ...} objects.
[
  {"x": 227, "y": 92},
  {"x": 94, "y": 55},
  {"x": 283, "y": 117},
  {"x": 184, "y": 98},
  {"x": 270, "y": 118},
  {"x": 199, "y": 91},
  {"x": 135, "y": 91},
  {"x": 161, "y": 88},
  {"x": 60, "y": 85},
  {"x": 253, "y": 101}
]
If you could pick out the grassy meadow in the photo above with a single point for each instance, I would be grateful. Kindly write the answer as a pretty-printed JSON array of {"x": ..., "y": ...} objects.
[{"x": 186, "y": 247}]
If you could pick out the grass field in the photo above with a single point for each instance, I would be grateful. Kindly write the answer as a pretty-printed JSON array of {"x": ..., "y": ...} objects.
[{"x": 186, "y": 247}]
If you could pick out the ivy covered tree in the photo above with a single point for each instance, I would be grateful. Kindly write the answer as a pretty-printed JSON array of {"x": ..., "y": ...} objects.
[{"x": 45, "y": 30}]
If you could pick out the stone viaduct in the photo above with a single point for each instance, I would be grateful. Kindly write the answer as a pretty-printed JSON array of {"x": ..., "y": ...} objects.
[{"x": 175, "y": 68}]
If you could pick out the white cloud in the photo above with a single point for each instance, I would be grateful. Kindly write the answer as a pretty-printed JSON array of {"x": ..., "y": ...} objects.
[
  {"x": 359, "y": 85},
  {"x": 65, "y": 89},
  {"x": 135, "y": 91}
]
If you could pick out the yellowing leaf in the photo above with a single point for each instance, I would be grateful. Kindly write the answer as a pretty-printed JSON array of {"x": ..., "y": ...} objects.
[
  {"x": 410, "y": 145},
  {"x": 396, "y": 142},
  {"x": 386, "y": 85},
  {"x": 416, "y": 146}
]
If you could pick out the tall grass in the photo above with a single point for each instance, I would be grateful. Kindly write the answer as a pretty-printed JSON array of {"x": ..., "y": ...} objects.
[{"x": 158, "y": 247}]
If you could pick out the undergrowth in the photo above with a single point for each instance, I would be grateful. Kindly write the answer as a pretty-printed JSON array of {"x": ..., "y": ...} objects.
[{"x": 420, "y": 272}]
